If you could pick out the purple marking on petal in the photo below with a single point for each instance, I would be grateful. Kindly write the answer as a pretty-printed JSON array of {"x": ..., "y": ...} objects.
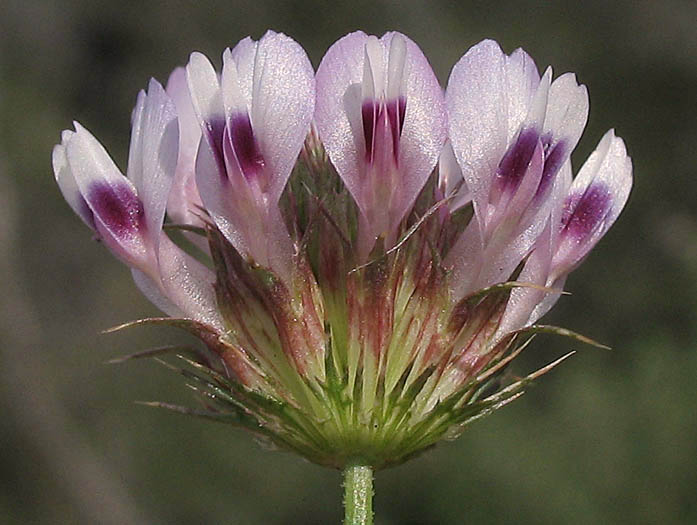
[
  {"x": 396, "y": 110},
  {"x": 515, "y": 162},
  {"x": 118, "y": 208},
  {"x": 245, "y": 145},
  {"x": 214, "y": 130},
  {"x": 583, "y": 212},
  {"x": 402, "y": 112},
  {"x": 85, "y": 212},
  {"x": 554, "y": 158},
  {"x": 368, "y": 114}
]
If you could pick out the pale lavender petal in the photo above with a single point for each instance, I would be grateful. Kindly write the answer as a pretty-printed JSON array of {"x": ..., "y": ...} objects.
[
  {"x": 476, "y": 101},
  {"x": 424, "y": 129},
  {"x": 523, "y": 300},
  {"x": 184, "y": 201},
  {"x": 188, "y": 284},
  {"x": 153, "y": 291},
  {"x": 548, "y": 301},
  {"x": 283, "y": 101},
  {"x": 244, "y": 56},
  {"x": 465, "y": 259},
  {"x": 338, "y": 110},
  {"x": 450, "y": 180},
  {"x": 153, "y": 154}
]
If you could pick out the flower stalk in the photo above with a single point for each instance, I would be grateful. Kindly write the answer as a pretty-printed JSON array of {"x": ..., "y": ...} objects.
[{"x": 358, "y": 494}]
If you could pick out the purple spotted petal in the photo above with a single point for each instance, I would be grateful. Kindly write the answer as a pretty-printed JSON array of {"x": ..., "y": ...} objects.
[
  {"x": 253, "y": 227},
  {"x": 594, "y": 202},
  {"x": 185, "y": 289},
  {"x": 113, "y": 200},
  {"x": 380, "y": 114},
  {"x": 268, "y": 94},
  {"x": 206, "y": 98},
  {"x": 254, "y": 122},
  {"x": 565, "y": 119}
]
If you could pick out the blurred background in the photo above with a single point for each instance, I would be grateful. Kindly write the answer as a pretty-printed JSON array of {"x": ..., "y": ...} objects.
[{"x": 609, "y": 437}]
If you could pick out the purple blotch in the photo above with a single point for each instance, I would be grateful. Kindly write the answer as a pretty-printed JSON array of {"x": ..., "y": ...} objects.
[
  {"x": 369, "y": 116},
  {"x": 396, "y": 109},
  {"x": 214, "y": 129},
  {"x": 555, "y": 156},
  {"x": 85, "y": 212},
  {"x": 371, "y": 112},
  {"x": 118, "y": 208},
  {"x": 584, "y": 212},
  {"x": 244, "y": 144},
  {"x": 516, "y": 160}
]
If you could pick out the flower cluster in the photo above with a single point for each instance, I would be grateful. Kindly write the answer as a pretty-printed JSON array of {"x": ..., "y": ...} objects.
[{"x": 361, "y": 253}]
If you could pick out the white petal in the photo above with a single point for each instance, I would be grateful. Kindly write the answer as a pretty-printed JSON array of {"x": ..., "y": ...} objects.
[
  {"x": 68, "y": 186},
  {"x": 90, "y": 162},
  {"x": 522, "y": 79},
  {"x": 244, "y": 55},
  {"x": 204, "y": 88},
  {"x": 183, "y": 201},
  {"x": 154, "y": 154},
  {"x": 234, "y": 100},
  {"x": 538, "y": 104},
  {"x": 396, "y": 66},
  {"x": 567, "y": 110}
]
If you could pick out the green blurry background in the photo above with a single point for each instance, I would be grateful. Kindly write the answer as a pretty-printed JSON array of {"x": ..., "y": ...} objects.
[{"x": 609, "y": 437}]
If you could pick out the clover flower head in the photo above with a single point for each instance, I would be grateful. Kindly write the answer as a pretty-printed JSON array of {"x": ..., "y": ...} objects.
[{"x": 361, "y": 253}]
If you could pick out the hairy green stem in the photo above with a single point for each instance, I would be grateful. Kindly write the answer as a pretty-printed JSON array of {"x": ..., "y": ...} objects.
[{"x": 358, "y": 494}]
